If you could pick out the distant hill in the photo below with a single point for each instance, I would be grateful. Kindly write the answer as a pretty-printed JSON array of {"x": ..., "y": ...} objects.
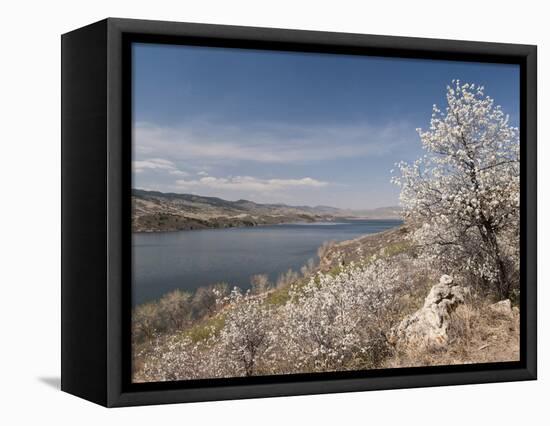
[{"x": 158, "y": 211}]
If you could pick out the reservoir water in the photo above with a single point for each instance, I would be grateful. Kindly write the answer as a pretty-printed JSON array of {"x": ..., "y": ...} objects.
[{"x": 186, "y": 260}]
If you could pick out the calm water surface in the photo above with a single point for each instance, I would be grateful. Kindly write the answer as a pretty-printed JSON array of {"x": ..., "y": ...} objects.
[{"x": 186, "y": 260}]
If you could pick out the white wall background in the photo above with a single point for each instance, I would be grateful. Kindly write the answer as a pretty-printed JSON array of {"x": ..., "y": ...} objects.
[{"x": 30, "y": 210}]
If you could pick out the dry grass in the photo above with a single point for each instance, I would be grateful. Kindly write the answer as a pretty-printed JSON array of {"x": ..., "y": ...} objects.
[{"x": 477, "y": 334}]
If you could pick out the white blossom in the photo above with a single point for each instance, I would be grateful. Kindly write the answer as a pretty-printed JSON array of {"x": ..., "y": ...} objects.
[{"x": 464, "y": 193}]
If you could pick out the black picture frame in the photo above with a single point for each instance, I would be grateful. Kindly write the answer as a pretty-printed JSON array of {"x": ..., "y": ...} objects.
[{"x": 96, "y": 225}]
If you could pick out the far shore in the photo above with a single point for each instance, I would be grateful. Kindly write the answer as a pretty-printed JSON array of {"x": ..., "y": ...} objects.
[{"x": 229, "y": 223}]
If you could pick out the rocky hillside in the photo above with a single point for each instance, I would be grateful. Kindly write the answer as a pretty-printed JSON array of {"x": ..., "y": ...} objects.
[
  {"x": 371, "y": 303},
  {"x": 157, "y": 211}
]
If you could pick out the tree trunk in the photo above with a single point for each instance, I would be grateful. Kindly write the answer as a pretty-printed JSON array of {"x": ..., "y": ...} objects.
[{"x": 502, "y": 285}]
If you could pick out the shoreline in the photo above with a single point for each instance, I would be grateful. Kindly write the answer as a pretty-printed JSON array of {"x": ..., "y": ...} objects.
[{"x": 335, "y": 220}]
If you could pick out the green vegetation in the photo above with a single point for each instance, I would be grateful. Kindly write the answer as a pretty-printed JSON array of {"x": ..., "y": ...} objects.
[
  {"x": 206, "y": 328},
  {"x": 278, "y": 296},
  {"x": 400, "y": 247},
  {"x": 281, "y": 295}
]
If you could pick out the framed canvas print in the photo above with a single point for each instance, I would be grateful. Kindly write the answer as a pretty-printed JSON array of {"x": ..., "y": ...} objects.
[{"x": 253, "y": 212}]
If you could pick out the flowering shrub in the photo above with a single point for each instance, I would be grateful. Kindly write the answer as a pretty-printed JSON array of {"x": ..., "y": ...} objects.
[
  {"x": 333, "y": 322},
  {"x": 171, "y": 358},
  {"x": 238, "y": 349},
  {"x": 248, "y": 336}
]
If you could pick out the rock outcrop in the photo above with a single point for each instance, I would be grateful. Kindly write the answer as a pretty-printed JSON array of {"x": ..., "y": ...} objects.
[
  {"x": 429, "y": 325},
  {"x": 504, "y": 308}
]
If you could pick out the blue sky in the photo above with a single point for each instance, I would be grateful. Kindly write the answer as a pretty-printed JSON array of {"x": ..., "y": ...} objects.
[{"x": 296, "y": 128}]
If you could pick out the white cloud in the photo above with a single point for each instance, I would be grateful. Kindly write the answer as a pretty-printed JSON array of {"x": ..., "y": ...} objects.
[
  {"x": 265, "y": 162},
  {"x": 180, "y": 173},
  {"x": 158, "y": 164},
  {"x": 249, "y": 183},
  {"x": 214, "y": 143}
]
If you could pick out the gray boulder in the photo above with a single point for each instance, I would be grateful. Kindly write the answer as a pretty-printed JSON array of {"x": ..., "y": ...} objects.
[
  {"x": 504, "y": 308},
  {"x": 429, "y": 325}
]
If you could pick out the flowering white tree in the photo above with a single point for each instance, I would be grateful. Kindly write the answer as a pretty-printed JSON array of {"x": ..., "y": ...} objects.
[{"x": 464, "y": 192}]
